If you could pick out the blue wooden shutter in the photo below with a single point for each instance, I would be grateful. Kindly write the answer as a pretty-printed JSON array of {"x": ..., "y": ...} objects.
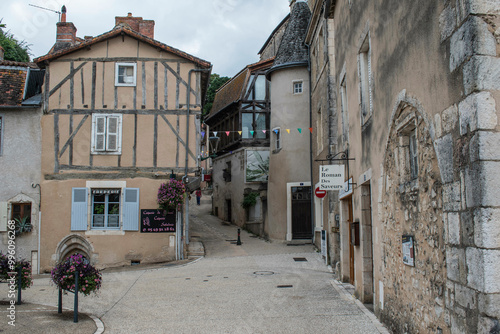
[
  {"x": 131, "y": 210},
  {"x": 79, "y": 209}
]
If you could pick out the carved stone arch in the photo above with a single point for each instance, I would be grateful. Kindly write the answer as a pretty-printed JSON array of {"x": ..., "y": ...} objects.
[
  {"x": 411, "y": 205},
  {"x": 74, "y": 243}
]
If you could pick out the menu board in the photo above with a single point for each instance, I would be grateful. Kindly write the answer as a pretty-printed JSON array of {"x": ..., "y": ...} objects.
[{"x": 157, "y": 221}]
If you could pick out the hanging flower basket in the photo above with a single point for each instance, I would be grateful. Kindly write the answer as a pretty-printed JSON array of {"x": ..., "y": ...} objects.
[
  {"x": 6, "y": 266},
  {"x": 171, "y": 195},
  {"x": 63, "y": 275}
]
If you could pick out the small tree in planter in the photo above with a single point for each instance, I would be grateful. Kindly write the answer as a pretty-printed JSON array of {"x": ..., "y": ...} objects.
[
  {"x": 14, "y": 266},
  {"x": 171, "y": 195},
  {"x": 63, "y": 275}
]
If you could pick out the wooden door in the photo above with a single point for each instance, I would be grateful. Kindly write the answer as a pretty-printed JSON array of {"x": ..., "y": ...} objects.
[
  {"x": 301, "y": 213},
  {"x": 351, "y": 246}
]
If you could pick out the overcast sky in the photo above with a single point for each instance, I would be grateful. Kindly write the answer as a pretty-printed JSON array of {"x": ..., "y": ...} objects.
[{"x": 227, "y": 33}]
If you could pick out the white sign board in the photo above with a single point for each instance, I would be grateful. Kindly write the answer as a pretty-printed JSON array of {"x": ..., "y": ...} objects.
[{"x": 331, "y": 177}]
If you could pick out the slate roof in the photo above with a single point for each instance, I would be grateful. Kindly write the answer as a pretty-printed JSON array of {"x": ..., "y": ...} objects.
[
  {"x": 232, "y": 91},
  {"x": 13, "y": 85},
  {"x": 293, "y": 50}
]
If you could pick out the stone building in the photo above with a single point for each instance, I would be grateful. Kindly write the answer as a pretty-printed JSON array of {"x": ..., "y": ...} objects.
[
  {"x": 413, "y": 93},
  {"x": 122, "y": 114},
  {"x": 20, "y": 157}
]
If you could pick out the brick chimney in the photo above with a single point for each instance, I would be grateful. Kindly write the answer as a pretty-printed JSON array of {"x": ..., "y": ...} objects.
[
  {"x": 144, "y": 27},
  {"x": 66, "y": 31}
]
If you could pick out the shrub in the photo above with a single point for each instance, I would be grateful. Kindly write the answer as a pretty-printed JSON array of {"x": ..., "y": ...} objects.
[
  {"x": 249, "y": 200},
  {"x": 63, "y": 275}
]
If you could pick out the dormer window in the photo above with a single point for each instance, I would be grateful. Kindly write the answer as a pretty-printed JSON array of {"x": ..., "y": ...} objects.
[{"x": 125, "y": 74}]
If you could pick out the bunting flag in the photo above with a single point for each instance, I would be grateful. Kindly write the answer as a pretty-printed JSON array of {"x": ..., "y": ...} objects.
[
  {"x": 215, "y": 133},
  {"x": 239, "y": 132},
  {"x": 288, "y": 130},
  {"x": 300, "y": 130},
  {"x": 227, "y": 133},
  {"x": 264, "y": 131},
  {"x": 311, "y": 129},
  {"x": 276, "y": 131},
  {"x": 252, "y": 132},
  {"x": 202, "y": 134}
]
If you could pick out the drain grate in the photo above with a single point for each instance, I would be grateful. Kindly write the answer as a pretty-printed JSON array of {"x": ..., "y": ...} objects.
[
  {"x": 263, "y": 273},
  {"x": 300, "y": 259},
  {"x": 285, "y": 286}
]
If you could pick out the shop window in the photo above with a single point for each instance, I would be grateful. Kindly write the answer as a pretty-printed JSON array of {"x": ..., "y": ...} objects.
[{"x": 105, "y": 208}]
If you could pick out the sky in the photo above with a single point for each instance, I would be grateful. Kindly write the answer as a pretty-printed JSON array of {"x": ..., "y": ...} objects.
[{"x": 227, "y": 33}]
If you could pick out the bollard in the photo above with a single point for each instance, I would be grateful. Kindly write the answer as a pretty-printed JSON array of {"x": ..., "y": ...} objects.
[
  {"x": 75, "y": 310},
  {"x": 59, "y": 306},
  {"x": 19, "y": 282},
  {"x": 239, "y": 239}
]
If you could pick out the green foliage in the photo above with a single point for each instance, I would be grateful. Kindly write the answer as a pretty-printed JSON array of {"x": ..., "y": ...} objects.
[
  {"x": 13, "y": 49},
  {"x": 216, "y": 81},
  {"x": 249, "y": 200},
  {"x": 22, "y": 225},
  {"x": 9, "y": 265}
]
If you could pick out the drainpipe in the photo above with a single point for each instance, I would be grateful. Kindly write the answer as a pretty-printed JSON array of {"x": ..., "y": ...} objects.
[
  {"x": 33, "y": 185},
  {"x": 185, "y": 178},
  {"x": 313, "y": 222}
]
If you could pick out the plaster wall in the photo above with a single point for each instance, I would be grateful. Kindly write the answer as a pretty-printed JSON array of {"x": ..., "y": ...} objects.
[{"x": 292, "y": 162}]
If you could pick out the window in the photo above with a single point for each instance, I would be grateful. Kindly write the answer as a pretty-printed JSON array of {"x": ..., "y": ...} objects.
[
  {"x": 226, "y": 173},
  {"x": 125, "y": 74},
  {"x": 21, "y": 211},
  {"x": 345, "y": 115},
  {"x": 106, "y": 133},
  {"x": 413, "y": 155},
  {"x": 319, "y": 130},
  {"x": 364, "y": 71},
  {"x": 297, "y": 87},
  {"x": 1, "y": 134},
  {"x": 106, "y": 208},
  {"x": 254, "y": 128},
  {"x": 276, "y": 140}
]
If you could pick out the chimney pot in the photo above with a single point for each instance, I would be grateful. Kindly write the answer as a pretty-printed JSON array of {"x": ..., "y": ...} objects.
[
  {"x": 63, "y": 14},
  {"x": 129, "y": 14}
]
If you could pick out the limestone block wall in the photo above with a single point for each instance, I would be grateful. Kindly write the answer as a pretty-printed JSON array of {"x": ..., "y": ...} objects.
[{"x": 467, "y": 150}]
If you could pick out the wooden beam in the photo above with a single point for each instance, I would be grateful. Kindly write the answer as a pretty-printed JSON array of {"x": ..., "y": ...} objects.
[
  {"x": 123, "y": 111},
  {"x": 178, "y": 136},
  {"x": 69, "y": 76},
  {"x": 178, "y": 76},
  {"x": 73, "y": 134},
  {"x": 121, "y": 59},
  {"x": 56, "y": 143},
  {"x": 94, "y": 72}
]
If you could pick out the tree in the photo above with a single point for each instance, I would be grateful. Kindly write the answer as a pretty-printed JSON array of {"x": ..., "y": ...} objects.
[
  {"x": 13, "y": 49},
  {"x": 216, "y": 81}
]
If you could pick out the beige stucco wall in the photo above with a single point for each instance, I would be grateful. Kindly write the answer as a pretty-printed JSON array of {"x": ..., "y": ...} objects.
[{"x": 292, "y": 163}]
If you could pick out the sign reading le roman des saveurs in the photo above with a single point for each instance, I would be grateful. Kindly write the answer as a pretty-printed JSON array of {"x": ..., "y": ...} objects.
[{"x": 331, "y": 177}]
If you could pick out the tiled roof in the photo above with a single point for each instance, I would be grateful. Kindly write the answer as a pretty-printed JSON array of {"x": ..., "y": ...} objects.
[
  {"x": 13, "y": 87},
  {"x": 233, "y": 90},
  {"x": 121, "y": 29},
  {"x": 17, "y": 63}
]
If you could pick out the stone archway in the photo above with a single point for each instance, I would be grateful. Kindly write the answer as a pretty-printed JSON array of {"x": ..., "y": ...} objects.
[
  {"x": 411, "y": 206},
  {"x": 74, "y": 243}
]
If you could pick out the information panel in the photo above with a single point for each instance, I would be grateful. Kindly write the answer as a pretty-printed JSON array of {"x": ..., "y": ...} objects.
[{"x": 156, "y": 221}]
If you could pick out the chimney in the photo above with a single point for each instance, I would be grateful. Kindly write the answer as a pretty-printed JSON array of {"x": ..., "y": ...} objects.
[
  {"x": 66, "y": 31},
  {"x": 144, "y": 27}
]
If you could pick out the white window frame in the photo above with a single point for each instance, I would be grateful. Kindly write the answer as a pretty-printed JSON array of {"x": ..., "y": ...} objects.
[
  {"x": 365, "y": 80},
  {"x": 344, "y": 109},
  {"x": 277, "y": 139},
  {"x": 133, "y": 82},
  {"x": 106, "y": 213},
  {"x": 295, "y": 84},
  {"x": 106, "y": 134}
]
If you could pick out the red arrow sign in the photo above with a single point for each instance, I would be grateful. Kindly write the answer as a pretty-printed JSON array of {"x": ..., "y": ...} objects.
[{"x": 319, "y": 193}]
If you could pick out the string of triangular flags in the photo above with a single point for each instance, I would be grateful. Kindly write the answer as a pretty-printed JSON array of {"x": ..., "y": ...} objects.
[{"x": 252, "y": 132}]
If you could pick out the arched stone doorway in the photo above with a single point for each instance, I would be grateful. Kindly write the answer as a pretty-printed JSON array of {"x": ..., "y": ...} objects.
[
  {"x": 413, "y": 267},
  {"x": 73, "y": 244}
]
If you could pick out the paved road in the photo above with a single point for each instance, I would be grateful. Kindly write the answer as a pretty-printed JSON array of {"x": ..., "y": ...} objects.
[{"x": 257, "y": 287}]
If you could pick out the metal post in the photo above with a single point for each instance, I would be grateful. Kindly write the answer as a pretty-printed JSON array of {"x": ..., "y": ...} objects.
[
  {"x": 19, "y": 282},
  {"x": 59, "y": 306},
  {"x": 75, "y": 310},
  {"x": 238, "y": 243}
]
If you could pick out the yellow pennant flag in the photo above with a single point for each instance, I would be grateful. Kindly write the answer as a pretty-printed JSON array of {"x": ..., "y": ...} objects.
[
  {"x": 239, "y": 132},
  {"x": 288, "y": 130}
]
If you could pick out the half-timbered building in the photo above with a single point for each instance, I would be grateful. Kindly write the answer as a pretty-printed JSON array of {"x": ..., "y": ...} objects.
[{"x": 121, "y": 117}]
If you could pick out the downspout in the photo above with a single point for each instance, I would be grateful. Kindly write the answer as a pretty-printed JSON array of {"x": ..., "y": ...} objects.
[
  {"x": 185, "y": 178},
  {"x": 313, "y": 222},
  {"x": 33, "y": 185}
]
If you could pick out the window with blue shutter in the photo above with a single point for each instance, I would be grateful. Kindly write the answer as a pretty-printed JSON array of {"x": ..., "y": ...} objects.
[
  {"x": 131, "y": 209},
  {"x": 79, "y": 209}
]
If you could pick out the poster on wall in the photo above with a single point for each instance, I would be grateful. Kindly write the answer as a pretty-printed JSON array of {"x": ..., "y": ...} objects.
[
  {"x": 408, "y": 251},
  {"x": 257, "y": 166}
]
